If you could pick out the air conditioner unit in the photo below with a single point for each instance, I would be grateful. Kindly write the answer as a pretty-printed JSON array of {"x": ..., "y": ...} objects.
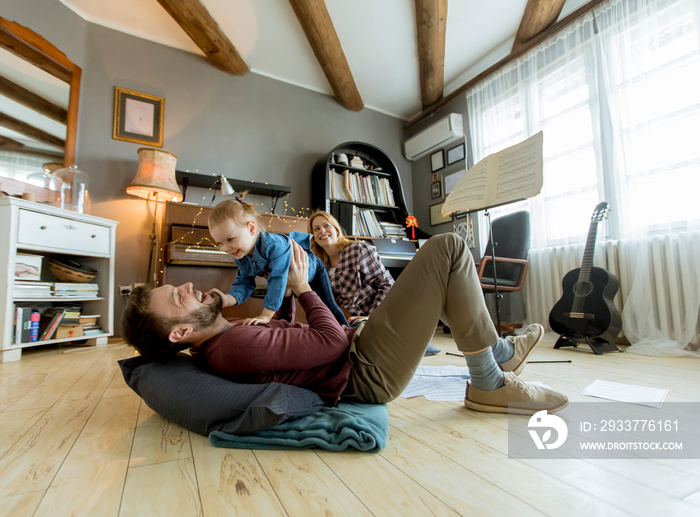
[{"x": 443, "y": 132}]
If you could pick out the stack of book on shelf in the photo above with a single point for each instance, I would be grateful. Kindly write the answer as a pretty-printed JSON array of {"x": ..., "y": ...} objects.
[
  {"x": 89, "y": 324},
  {"x": 393, "y": 230},
  {"x": 60, "y": 322},
  {"x": 351, "y": 186},
  {"x": 365, "y": 223},
  {"x": 26, "y": 325},
  {"x": 31, "y": 289},
  {"x": 71, "y": 289}
]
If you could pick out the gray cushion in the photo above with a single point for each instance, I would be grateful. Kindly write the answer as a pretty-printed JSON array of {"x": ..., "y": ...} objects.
[{"x": 202, "y": 402}]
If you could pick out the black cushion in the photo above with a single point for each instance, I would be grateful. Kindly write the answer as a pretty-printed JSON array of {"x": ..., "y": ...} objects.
[{"x": 202, "y": 402}]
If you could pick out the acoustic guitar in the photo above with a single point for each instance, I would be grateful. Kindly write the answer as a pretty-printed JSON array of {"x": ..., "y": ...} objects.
[{"x": 586, "y": 312}]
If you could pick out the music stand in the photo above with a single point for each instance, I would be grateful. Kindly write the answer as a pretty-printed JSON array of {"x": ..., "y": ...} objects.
[{"x": 496, "y": 294}]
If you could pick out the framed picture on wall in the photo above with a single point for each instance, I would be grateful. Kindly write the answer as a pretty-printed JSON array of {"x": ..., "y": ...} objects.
[
  {"x": 138, "y": 117},
  {"x": 455, "y": 154},
  {"x": 451, "y": 180},
  {"x": 435, "y": 190},
  {"x": 435, "y": 176},
  {"x": 436, "y": 216},
  {"x": 437, "y": 160}
]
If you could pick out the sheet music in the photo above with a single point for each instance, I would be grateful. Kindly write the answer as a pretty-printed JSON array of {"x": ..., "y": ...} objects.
[{"x": 511, "y": 174}]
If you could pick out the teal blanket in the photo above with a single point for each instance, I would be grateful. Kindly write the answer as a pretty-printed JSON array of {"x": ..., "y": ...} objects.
[{"x": 363, "y": 427}]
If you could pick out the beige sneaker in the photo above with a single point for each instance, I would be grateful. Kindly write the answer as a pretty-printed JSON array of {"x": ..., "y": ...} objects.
[
  {"x": 526, "y": 398},
  {"x": 524, "y": 345}
]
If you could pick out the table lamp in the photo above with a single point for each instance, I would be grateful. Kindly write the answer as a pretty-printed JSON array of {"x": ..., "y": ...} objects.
[{"x": 155, "y": 181}]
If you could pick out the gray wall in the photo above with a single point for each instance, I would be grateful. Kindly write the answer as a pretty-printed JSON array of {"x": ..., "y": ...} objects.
[
  {"x": 250, "y": 127},
  {"x": 422, "y": 174}
]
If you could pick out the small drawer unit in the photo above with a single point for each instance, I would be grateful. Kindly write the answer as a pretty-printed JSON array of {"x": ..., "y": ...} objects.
[
  {"x": 50, "y": 231},
  {"x": 39, "y": 232}
]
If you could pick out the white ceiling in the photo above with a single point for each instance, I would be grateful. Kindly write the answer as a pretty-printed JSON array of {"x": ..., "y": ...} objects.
[{"x": 378, "y": 37}]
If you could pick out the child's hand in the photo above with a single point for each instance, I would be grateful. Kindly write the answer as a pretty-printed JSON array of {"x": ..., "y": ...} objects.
[
  {"x": 227, "y": 300},
  {"x": 257, "y": 319},
  {"x": 353, "y": 320}
]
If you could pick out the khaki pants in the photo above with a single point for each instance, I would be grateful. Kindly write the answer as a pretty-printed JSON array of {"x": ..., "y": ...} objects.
[{"x": 440, "y": 282}]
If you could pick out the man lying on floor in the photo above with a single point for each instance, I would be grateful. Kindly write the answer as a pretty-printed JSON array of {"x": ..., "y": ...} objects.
[{"x": 371, "y": 363}]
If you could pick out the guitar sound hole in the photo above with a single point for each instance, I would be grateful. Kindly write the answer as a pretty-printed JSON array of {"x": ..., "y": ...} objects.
[{"x": 583, "y": 288}]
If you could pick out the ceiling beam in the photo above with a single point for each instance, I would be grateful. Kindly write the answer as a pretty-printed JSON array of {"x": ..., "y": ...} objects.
[
  {"x": 30, "y": 131},
  {"x": 318, "y": 27},
  {"x": 32, "y": 101},
  {"x": 198, "y": 24},
  {"x": 539, "y": 16},
  {"x": 571, "y": 17},
  {"x": 431, "y": 25},
  {"x": 7, "y": 144}
]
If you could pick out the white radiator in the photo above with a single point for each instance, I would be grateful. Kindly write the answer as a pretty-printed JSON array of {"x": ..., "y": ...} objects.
[{"x": 672, "y": 283}]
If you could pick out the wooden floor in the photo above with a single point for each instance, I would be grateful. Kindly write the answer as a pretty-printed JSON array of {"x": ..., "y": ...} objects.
[{"x": 75, "y": 440}]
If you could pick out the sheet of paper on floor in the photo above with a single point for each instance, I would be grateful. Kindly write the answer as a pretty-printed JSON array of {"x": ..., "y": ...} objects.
[
  {"x": 443, "y": 383},
  {"x": 642, "y": 395}
]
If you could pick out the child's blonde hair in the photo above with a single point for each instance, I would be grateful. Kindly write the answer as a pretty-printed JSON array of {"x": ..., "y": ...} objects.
[
  {"x": 238, "y": 210},
  {"x": 343, "y": 240}
]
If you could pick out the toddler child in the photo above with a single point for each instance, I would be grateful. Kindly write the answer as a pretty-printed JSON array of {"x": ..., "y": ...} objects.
[{"x": 237, "y": 227}]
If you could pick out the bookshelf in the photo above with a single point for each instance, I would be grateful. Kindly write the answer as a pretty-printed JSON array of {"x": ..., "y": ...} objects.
[
  {"x": 46, "y": 231},
  {"x": 360, "y": 195}
]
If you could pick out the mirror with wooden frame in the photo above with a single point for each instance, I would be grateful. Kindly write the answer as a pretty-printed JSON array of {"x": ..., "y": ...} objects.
[{"x": 39, "y": 94}]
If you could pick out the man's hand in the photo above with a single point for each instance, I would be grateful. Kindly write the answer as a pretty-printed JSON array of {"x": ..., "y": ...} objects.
[
  {"x": 298, "y": 277},
  {"x": 227, "y": 300}
]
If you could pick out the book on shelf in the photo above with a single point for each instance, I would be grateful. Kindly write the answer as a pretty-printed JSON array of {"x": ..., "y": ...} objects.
[
  {"x": 358, "y": 188},
  {"x": 31, "y": 289},
  {"x": 75, "y": 289},
  {"x": 71, "y": 315},
  {"x": 50, "y": 320},
  {"x": 91, "y": 330},
  {"x": 509, "y": 175},
  {"x": 23, "y": 324},
  {"x": 34, "y": 329},
  {"x": 88, "y": 319}
]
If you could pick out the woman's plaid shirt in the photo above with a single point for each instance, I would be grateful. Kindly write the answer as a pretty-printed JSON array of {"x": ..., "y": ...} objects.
[{"x": 360, "y": 281}]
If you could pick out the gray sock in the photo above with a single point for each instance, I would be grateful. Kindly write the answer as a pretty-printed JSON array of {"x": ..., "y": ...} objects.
[
  {"x": 503, "y": 350},
  {"x": 485, "y": 373}
]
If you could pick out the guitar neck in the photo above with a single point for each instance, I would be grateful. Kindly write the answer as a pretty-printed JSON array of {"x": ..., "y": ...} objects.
[{"x": 587, "y": 263}]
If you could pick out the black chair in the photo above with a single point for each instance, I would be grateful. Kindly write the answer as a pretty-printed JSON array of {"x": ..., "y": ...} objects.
[{"x": 507, "y": 249}]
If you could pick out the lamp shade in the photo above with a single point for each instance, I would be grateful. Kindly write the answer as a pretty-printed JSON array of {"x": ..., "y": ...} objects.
[
  {"x": 155, "y": 179},
  {"x": 226, "y": 188}
]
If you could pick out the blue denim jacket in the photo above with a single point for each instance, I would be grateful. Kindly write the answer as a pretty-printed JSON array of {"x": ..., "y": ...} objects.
[{"x": 272, "y": 254}]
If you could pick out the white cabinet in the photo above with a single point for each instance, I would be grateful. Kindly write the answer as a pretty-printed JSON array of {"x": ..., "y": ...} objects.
[{"x": 34, "y": 228}]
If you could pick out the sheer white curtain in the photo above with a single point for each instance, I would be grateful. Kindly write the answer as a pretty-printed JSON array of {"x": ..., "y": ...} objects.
[
  {"x": 617, "y": 98},
  {"x": 651, "y": 77}
]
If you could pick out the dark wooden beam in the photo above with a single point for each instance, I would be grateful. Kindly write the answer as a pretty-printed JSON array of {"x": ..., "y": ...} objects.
[
  {"x": 7, "y": 144},
  {"x": 32, "y": 101},
  {"x": 30, "y": 131},
  {"x": 539, "y": 16},
  {"x": 198, "y": 24},
  {"x": 431, "y": 25},
  {"x": 316, "y": 22},
  {"x": 513, "y": 55}
]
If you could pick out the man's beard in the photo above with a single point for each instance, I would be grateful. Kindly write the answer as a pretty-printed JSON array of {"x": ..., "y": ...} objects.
[{"x": 206, "y": 316}]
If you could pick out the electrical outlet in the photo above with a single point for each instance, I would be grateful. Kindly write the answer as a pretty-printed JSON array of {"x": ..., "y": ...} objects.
[{"x": 125, "y": 289}]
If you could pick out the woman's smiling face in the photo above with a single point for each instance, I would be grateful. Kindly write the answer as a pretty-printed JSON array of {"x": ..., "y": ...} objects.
[{"x": 325, "y": 234}]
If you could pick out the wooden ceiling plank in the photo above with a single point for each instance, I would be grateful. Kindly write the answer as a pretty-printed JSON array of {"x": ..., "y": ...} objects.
[
  {"x": 539, "y": 16},
  {"x": 198, "y": 24},
  {"x": 564, "y": 22},
  {"x": 431, "y": 25},
  {"x": 317, "y": 25},
  {"x": 32, "y": 101}
]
